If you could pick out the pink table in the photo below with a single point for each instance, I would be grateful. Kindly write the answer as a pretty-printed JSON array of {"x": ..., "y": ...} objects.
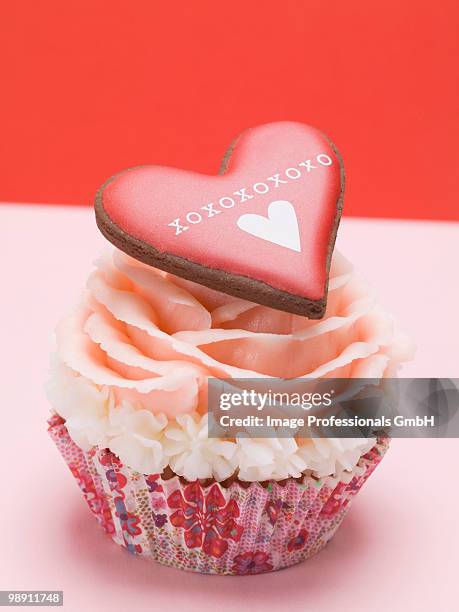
[{"x": 398, "y": 548}]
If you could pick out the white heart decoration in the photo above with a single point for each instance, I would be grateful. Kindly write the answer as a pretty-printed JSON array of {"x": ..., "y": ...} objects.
[{"x": 279, "y": 227}]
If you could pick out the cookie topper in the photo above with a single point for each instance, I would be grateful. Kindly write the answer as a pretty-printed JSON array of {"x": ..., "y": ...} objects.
[{"x": 262, "y": 230}]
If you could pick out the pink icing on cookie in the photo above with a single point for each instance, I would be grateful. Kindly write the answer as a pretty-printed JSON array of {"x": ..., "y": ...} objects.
[{"x": 272, "y": 216}]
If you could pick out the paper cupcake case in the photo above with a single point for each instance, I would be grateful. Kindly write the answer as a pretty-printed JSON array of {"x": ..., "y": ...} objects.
[{"x": 212, "y": 529}]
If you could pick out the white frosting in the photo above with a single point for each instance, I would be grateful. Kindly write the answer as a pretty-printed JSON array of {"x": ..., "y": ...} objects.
[{"x": 193, "y": 454}]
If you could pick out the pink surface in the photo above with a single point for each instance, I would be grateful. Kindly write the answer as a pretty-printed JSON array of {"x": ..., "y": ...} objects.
[{"x": 399, "y": 547}]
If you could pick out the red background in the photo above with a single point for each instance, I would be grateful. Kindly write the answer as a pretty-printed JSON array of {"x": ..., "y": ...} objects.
[{"x": 91, "y": 87}]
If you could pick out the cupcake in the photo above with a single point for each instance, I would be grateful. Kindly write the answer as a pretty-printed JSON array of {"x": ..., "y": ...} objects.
[{"x": 128, "y": 385}]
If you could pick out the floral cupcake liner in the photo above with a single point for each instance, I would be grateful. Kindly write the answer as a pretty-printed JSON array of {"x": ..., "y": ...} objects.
[{"x": 208, "y": 528}]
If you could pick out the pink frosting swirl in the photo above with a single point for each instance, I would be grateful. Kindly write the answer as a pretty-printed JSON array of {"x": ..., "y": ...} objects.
[
  {"x": 154, "y": 338},
  {"x": 146, "y": 341}
]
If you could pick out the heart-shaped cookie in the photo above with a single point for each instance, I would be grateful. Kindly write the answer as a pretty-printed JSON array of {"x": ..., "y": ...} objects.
[{"x": 263, "y": 229}]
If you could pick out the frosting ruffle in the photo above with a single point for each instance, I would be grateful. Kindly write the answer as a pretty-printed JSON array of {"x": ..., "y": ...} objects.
[{"x": 133, "y": 360}]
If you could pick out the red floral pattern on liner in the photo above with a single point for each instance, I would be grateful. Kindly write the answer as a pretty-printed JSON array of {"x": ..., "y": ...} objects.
[
  {"x": 153, "y": 483},
  {"x": 211, "y": 529},
  {"x": 129, "y": 522},
  {"x": 299, "y": 541},
  {"x": 336, "y": 500},
  {"x": 96, "y": 502},
  {"x": 252, "y": 563},
  {"x": 274, "y": 510},
  {"x": 207, "y": 519}
]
